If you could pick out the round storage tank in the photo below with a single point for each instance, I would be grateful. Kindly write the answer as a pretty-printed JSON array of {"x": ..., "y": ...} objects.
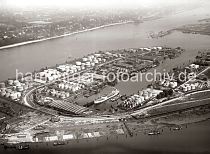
[
  {"x": 20, "y": 88},
  {"x": 184, "y": 89},
  {"x": 2, "y": 85},
  {"x": 10, "y": 82},
  {"x": 62, "y": 86},
  {"x": 66, "y": 86},
  {"x": 97, "y": 55},
  {"x": 18, "y": 94},
  {"x": 150, "y": 94},
  {"x": 62, "y": 96},
  {"x": 193, "y": 87},
  {"x": 96, "y": 61},
  {"x": 13, "y": 96},
  {"x": 84, "y": 59},
  {"x": 78, "y": 63},
  {"x": 8, "y": 90},
  {"x": 145, "y": 96},
  {"x": 14, "y": 88},
  {"x": 189, "y": 87},
  {"x": 3, "y": 89},
  {"x": 3, "y": 93},
  {"x": 140, "y": 93},
  {"x": 25, "y": 87},
  {"x": 42, "y": 74},
  {"x": 7, "y": 95},
  {"x": 67, "y": 94},
  {"x": 16, "y": 82},
  {"x": 53, "y": 94}
]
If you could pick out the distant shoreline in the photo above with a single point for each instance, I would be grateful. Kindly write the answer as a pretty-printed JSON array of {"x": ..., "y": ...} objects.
[{"x": 60, "y": 36}]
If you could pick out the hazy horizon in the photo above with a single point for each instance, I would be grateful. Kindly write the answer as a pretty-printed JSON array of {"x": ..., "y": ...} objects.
[{"x": 96, "y": 4}]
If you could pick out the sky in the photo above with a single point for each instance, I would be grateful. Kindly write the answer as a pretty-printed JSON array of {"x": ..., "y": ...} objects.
[{"x": 90, "y": 3}]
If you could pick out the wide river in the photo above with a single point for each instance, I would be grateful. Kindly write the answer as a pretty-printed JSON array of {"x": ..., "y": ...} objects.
[{"x": 48, "y": 53}]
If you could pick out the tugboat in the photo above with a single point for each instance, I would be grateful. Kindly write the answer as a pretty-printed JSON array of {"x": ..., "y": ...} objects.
[
  {"x": 177, "y": 128},
  {"x": 58, "y": 143},
  {"x": 102, "y": 99},
  {"x": 23, "y": 147},
  {"x": 154, "y": 132}
]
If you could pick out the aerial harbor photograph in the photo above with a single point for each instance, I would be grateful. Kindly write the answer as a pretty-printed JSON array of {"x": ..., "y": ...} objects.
[{"x": 105, "y": 76}]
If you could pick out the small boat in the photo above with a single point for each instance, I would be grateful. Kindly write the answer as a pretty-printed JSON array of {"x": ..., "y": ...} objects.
[
  {"x": 21, "y": 136},
  {"x": 154, "y": 133},
  {"x": 177, "y": 128},
  {"x": 23, "y": 147},
  {"x": 58, "y": 143}
]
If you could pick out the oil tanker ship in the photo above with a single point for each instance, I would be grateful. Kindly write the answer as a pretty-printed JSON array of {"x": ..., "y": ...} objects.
[{"x": 102, "y": 99}]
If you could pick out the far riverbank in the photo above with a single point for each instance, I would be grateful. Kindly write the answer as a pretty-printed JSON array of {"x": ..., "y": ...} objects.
[{"x": 64, "y": 35}]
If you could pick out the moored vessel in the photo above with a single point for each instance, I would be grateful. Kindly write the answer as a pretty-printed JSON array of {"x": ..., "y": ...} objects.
[{"x": 102, "y": 99}]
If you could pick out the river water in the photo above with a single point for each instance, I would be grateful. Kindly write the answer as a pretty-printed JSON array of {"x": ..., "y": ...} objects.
[{"x": 48, "y": 53}]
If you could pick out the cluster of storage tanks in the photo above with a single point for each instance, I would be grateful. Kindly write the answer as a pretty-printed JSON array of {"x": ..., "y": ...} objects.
[
  {"x": 194, "y": 66},
  {"x": 66, "y": 69},
  {"x": 13, "y": 89},
  {"x": 49, "y": 75},
  {"x": 71, "y": 86},
  {"x": 58, "y": 94},
  {"x": 92, "y": 60},
  {"x": 86, "y": 78},
  {"x": 139, "y": 99},
  {"x": 86, "y": 62},
  {"x": 167, "y": 83},
  {"x": 146, "y": 49},
  {"x": 189, "y": 87}
]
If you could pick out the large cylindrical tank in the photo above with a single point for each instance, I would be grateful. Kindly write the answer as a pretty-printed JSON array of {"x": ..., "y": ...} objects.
[
  {"x": 25, "y": 87},
  {"x": 63, "y": 96},
  {"x": 7, "y": 95},
  {"x": 67, "y": 94},
  {"x": 188, "y": 87},
  {"x": 149, "y": 94},
  {"x": 42, "y": 74},
  {"x": 20, "y": 88},
  {"x": 140, "y": 93},
  {"x": 14, "y": 88},
  {"x": 97, "y": 54},
  {"x": 66, "y": 86},
  {"x": 184, "y": 89},
  {"x": 96, "y": 61},
  {"x": 146, "y": 96},
  {"x": 13, "y": 96},
  {"x": 18, "y": 94},
  {"x": 78, "y": 63},
  {"x": 16, "y": 82},
  {"x": 3, "y": 93},
  {"x": 84, "y": 59},
  {"x": 2, "y": 85},
  {"x": 10, "y": 82},
  {"x": 3, "y": 89},
  {"x": 8, "y": 90},
  {"x": 193, "y": 87}
]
